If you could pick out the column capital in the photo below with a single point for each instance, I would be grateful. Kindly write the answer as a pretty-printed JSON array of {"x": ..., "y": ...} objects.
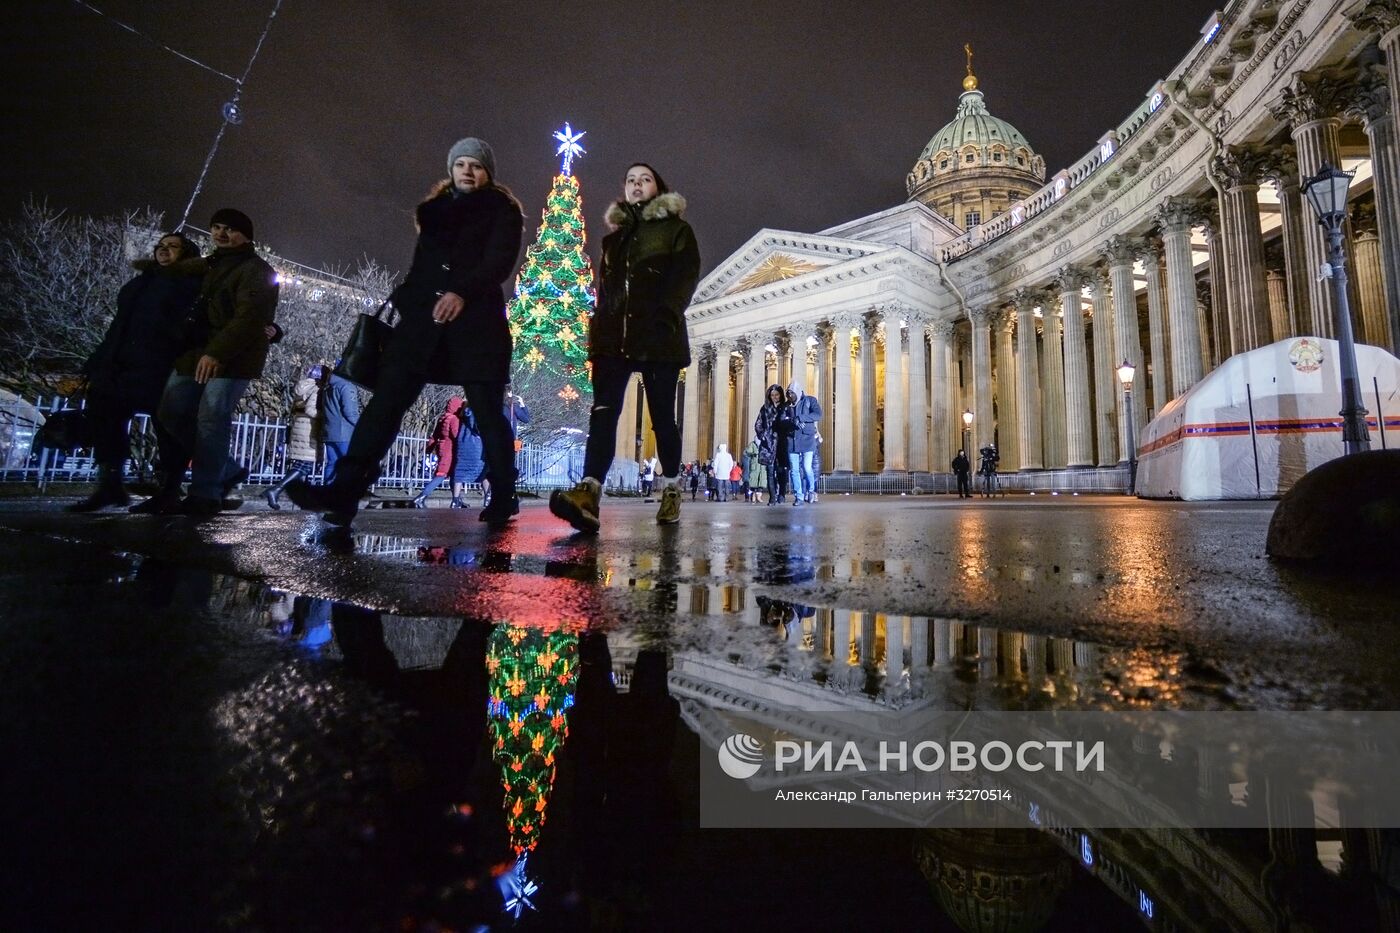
[
  {"x": 1242, "y": 165},
  {"x": 782, "y": 341},
  {"x": 1363, "y": 218},
  {"x": 1026, "y": 299},
  {"x": 1119, "y": 250},
  {"x": 983, "y": 315},
  {"x": 892, "y": 310},
  {"x": 941, "y": 330},
  {"x": 1149, "y": 250},
  {"x": 708, "y": 353},
  {"x": 1005, "y": 318},
  {"x": 1369, "y": 99},
  {"x": 1071, "y": 278},
  {"x": 846, "y": 320},
  {"x": 1374, "y": 16},
  {"x": 1098, "y": 282},
  {"x": 1178, "y": 214},
  {"x": 1314, "y": 95},
  {"x": 1281, "y": 166}
]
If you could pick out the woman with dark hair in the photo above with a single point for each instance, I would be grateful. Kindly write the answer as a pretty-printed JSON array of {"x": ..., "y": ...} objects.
[
  {"x": 650, "y": 268},
  {"x": 452, "y": 331},
  {"x": 126, "y": 373},
  {"x": 765, "y": 431}
]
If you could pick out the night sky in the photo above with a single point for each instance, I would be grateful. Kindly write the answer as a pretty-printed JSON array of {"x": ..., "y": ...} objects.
[{"x": 796, "y": 115}]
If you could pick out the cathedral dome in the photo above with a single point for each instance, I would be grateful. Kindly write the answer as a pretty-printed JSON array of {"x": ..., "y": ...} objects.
[{"x": 976, "y": 166}]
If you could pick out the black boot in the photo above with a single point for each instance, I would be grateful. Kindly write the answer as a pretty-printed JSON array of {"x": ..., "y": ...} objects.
[
  {"x": 275, "y": 493},
  {"x": 110, "y": 491},
  {"x": 339, "y": 501}
]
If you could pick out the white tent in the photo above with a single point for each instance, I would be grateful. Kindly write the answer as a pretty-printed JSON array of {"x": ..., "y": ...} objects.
[{"x": 1253, "y": 427}]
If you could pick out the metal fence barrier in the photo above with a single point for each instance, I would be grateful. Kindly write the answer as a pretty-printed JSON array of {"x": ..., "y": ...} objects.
[{"x": 260, "y": 445}]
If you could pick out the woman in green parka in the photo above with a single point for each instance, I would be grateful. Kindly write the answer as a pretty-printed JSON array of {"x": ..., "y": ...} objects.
[{"x": 650, "y": 268}]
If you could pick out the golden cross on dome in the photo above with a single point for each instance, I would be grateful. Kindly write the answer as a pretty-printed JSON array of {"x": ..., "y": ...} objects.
[{"x": 970, "y": 82}]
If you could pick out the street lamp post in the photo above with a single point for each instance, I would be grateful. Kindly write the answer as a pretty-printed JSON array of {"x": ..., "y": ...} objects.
[
  {"x": 1327, "y": 193},
  {"x": 967, "y": 426},
  {"x": 1125, "y": 376}
]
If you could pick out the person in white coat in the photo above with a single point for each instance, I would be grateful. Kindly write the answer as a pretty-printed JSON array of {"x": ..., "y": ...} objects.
[{"x": 723, "y": 464}]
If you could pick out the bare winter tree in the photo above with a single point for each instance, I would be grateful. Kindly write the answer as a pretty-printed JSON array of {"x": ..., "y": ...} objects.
[{"x": 59, "y": 278}]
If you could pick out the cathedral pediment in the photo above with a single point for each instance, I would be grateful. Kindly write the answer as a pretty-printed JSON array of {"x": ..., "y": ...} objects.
[{"x": 775, "y": 255}]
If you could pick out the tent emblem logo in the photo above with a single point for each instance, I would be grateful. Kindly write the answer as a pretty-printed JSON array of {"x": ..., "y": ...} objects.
[{"x": 1305, "y": 355}]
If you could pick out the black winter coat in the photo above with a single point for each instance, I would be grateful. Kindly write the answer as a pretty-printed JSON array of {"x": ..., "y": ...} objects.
[
  {"x": 765, "y": 426},
  {"x": 140, "y": 346},
  {"x": 467, "y": 244},
  {"x": 651, "y": 265}
]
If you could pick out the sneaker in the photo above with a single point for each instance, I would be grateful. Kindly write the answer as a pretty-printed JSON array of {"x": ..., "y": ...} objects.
[
  {"x": 501, "y": 510},
  {"x": 670, "y": 511},
  {"x": 578, "y": 506}
]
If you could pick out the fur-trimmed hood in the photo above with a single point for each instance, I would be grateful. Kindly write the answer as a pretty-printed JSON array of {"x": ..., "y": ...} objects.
[
  {"x": 669, "y": 204},
  {"x": 194, "y": 265}
]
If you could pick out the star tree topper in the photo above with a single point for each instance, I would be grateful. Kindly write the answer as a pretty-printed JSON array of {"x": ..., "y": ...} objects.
[{"x": 568, "y": 146}]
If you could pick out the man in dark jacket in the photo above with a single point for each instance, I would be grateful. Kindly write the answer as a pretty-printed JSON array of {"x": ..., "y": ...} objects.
[
  {"x": 341, "y": 406},
  {"x": 962, "y": 469},
  {"x": 806, "y": 414},
  {"x": 226, "y": 352}
]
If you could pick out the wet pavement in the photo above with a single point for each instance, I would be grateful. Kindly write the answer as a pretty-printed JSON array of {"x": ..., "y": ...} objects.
[{"x": 248, "y": 723}]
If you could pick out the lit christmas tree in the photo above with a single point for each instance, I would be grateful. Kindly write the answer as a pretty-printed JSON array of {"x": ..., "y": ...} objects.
[
  {"x": 553, "y": 303},
  {"x": 532, "y": 673}
]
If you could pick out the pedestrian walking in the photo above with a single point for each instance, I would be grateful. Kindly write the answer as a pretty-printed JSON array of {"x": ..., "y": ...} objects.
[
  {"x": 722, "y": 464},
  {"x": 650, "y": 266},
  {"x": 736, "y": 479},
  {"x": 452, "y": 331},
  {"x": 442, "y": 448},
  {"x": 303, "y": 432},
  {"x": 806, "y": 414},
  {"x": 127, "y": 372},
  {"x": 470, "y": 465},
  {"x": 227, "y": 351},
  {"x": 648, "y": 475},
  {"x": 340, "y": 408},
  {"x": 694, "y": 481},
  {"x": 765, "y": 430},
  {"x": 962, "y": 469}
]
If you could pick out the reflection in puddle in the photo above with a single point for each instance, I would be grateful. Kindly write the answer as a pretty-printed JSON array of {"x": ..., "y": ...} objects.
[{"x": 554, "y": 747}]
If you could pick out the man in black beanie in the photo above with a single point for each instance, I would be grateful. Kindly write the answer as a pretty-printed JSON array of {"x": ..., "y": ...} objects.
[{"x": 226, "y": 350}]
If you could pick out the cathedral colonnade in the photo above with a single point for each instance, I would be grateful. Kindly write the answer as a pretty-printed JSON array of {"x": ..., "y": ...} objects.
[{"x": 1181, "y": 239}]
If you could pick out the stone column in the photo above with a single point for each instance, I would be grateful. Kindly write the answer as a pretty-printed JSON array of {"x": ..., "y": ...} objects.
[
  {"x": 869, "y": 448},
  {"x": 1175, "y": 219},
  {"x": 896, "y": 416},
  {"x": 1374, "y": 105},
  {"x": 1203, "y": 323},
  {"x": 1374, "y": 328},
  {"x": 1239, "y": 167},
  {"x": 843, "y": 430},
  {"x": 690, "y": 417},
  {"x": 1312, "y": 105},
  {"x": 826, "y": 452},
  {"x": 1278, "y": 303},
  {"x": 1079, "y": 431},
  {"x": 756, "y": 378},
  {"x": 1221, "y": 330},
  {"x": 984, "y": 421},
  {"x": 1008, "y": 429},
  {"x": 1106, "y": 430},
  {"x": 784, "y": 344},
  {"x": 1028, "y": 435},
  {"x": 1052, "y": 384},
  {"x": 918, "y": 396},
  {"x": 1151, "y": 256},
  {"x": 1284, "y": 171},
  {"x": 1120, "y": 252},
  {"x": 720, "y": 387},
  {"x": 940, "y": 334},
  {"x": 625, "y": 447}
]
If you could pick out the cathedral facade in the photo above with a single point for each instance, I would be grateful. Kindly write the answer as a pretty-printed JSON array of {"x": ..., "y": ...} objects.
[{"x": 1003, "y": 296}]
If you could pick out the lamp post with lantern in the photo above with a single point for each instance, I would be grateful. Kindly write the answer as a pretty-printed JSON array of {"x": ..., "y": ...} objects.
[
  {"x": 967, "y": 427},
  {"x": 1327, "y": 193},
  {"x": 1125, "y": 376}
]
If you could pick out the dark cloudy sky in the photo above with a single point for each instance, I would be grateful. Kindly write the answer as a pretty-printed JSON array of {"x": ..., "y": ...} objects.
[{"x": 779, "y": 113}]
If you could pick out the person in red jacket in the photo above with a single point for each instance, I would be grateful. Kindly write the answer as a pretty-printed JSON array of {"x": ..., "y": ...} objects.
[{"x": 443, "y": 443}]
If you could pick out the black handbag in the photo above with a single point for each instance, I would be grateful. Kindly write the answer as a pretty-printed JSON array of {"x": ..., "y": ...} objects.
[
  {"x": 65, "y": 430},
  {"x": 359, "y": 361}
]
